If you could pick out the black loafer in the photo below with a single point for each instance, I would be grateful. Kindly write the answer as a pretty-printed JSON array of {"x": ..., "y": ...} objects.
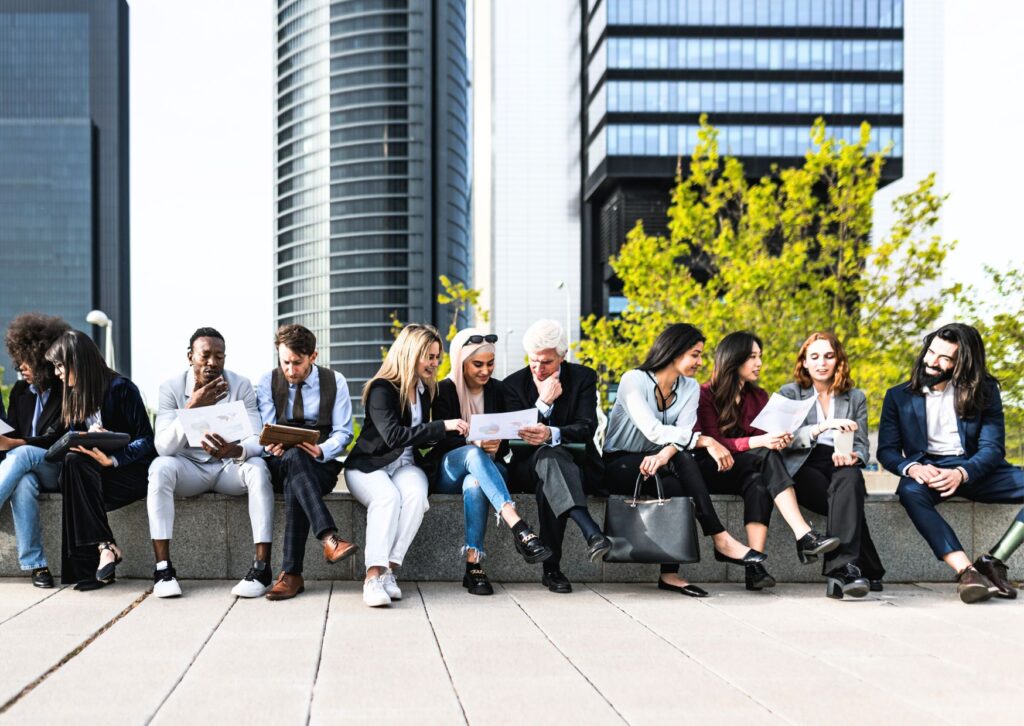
[
  {"x": 530, "y": 546},
  {"x": 875, "y": 585},
  {"x": 752, "y": 557},
  {"x": 598, "y": 546},
  {"x": 476, "y": 582},
  {"x": 691, "y": 590},
  {"x": 556, "y": 582},
  {"x": 757, "y": 577},
  {"x": 41, "y": 577}
]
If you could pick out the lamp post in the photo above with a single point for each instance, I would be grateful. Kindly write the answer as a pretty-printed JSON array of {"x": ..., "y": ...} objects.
[
  {"x": 561, "y": 285},
  {"x": 100, "y": 318},
  {"x": 504, "y": 355}
]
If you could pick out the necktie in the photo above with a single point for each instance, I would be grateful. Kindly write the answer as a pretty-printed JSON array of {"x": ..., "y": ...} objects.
[{"x": 298, "y": 414}]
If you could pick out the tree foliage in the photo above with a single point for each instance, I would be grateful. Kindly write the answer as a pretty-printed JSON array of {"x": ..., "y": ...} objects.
[{"x": 784, "y": 255}]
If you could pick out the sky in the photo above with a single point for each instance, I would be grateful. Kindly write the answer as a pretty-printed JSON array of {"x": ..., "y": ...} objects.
[{"x": 202, "y": 125}]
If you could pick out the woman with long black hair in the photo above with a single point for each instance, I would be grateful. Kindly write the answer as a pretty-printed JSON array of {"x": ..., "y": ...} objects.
[
  {"x": 651, "y": 430},
  {"x": 97, "y": 398},
  {"x": 729, "y": 403}
]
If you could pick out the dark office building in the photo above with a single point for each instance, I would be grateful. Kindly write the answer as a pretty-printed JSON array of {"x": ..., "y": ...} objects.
[
  {"x": 64, "y": 164},
  {"x": 763, "y": 71},
  {"x": 372, "y": 169}
]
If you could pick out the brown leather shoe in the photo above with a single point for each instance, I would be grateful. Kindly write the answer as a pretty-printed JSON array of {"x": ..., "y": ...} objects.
[
  {"x": 336, "y": 549},
  {"x": 994, "y": 569},
  {"x": 286, "y": 587},
  {"x": 972, "y": 586}
]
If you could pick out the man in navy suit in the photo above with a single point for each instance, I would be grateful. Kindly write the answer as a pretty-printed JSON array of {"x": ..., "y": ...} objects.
[{"x": 942, "y": 433}]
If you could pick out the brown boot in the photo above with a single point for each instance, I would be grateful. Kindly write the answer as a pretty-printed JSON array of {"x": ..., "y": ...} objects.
[
  {"x": 286, "y": 587},
  {"x": 336, "y": 549},
  {"x": 972, "y": 586}
]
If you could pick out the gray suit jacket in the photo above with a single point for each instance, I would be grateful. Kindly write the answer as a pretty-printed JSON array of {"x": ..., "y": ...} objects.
[
  {"x": 852, "y": 405},
  {"x": 174, "y": 394}
]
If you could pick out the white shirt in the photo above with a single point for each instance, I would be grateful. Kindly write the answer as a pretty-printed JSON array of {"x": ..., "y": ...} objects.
[
  {"x": 943, "y": 432},
  {"x": 827, "y": 437}
]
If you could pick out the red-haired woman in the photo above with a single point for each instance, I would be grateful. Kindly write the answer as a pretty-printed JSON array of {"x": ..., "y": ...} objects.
[{"x": 828, "y": 481}]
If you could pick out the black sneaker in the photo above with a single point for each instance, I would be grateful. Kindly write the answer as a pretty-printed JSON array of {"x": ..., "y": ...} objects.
[
  {"x": 165, "y": 582},
  {"x": 476, "y": 582},
  {"x": 41, "y": 577},
  {"x": 255, "y": 583}
]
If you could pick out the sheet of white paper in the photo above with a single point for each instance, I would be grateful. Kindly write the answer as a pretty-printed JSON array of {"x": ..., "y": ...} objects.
[
  {"x": 782, "y": 414},
  {"x": 4, "y": 428},
  {"x": 842, "y": 442},
  {"x": 490, "y": 426},
  {"x": 228, "y": 420}
]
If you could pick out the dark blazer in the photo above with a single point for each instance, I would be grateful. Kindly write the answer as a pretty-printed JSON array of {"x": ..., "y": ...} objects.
[
  {"x": 23, "y": 407},
  {"x": 387, "y": 431},
  {"x": 903, "y": 432},
  {"x": 446, "y": 406},
  {"x": 574, "y": 414},
  {"x": 124, "y": 412}
]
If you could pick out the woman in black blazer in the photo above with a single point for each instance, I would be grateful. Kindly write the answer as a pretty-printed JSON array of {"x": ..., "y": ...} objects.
[
  {"x": 97, "y": 398},
  {"x": 477, "y": 469},
  {"x": 385, "y": 470}
]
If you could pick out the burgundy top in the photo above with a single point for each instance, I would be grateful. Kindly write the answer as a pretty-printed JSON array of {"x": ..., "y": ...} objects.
[{"x": 752, "y": 400}]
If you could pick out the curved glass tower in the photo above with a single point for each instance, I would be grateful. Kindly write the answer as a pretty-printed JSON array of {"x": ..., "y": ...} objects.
[{"x": 372, "y": 192}]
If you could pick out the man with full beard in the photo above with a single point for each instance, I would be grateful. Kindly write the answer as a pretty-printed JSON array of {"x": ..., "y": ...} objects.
[{"x": 942, "y": 433}]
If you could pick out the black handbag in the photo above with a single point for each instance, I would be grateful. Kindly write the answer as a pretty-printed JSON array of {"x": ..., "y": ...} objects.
[{"x": 651, "y": 530}]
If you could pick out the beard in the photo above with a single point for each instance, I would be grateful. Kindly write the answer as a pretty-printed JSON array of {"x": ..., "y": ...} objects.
[{"x": 933, "y": 379}]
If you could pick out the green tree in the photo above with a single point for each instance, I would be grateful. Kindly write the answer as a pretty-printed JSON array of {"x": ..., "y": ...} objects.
[{"x": 783, "y": 256}]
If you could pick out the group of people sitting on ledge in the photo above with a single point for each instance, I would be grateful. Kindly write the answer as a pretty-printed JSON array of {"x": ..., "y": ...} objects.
[{"x": 941, "y": 432}]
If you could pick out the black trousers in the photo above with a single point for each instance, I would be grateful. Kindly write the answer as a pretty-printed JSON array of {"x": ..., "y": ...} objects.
[
  {"x": 304, "y": 482},
  {"x": 88, "y": 492},
  {"x": 839, "y": 493},
  {"x": 557, "y": 480},
  {"x": 744, "y": 479},
  {"x": 681, "y": 477}
]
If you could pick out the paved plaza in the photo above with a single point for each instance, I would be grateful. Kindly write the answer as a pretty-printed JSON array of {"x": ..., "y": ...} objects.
[{"x": 608, "y": 653}]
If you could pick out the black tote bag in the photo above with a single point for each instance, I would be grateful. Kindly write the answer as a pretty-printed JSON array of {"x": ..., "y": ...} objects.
[{"x": 651, "y": 530}]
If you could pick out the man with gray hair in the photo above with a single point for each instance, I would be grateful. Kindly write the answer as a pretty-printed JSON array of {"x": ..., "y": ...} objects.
[{"x": 565, "y": 395}]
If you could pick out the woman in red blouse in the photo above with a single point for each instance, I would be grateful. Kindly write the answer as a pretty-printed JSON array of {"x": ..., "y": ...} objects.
[{"x": 729, "y": 402}]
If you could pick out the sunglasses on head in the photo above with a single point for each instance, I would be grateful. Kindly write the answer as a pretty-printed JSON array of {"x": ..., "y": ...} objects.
[{"x": 477, "y": 339}]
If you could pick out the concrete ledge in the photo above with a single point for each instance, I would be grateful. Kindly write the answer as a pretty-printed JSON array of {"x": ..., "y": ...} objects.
[{"x": 213, "y": 540}]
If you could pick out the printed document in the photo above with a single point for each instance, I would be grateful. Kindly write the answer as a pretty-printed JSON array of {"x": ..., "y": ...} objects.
[
  {"x": 230, "y": 421},
  {"x": 490, "y": 426},
  {"x": 782, "y": 414},
  {"x": 4, "y": 428}
]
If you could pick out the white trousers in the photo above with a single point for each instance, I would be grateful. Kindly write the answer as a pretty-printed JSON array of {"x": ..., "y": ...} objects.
[
  {"x": 177, "y": 475},
  {"x": 395, "y": 504}
]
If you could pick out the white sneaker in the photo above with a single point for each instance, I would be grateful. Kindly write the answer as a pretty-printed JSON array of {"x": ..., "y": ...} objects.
[
  {"x": 165, "y": 584},
  {"x": 391, "y": 585},
  {"x": 374, "y": 593},
  {"x": 254, "y": 584}
]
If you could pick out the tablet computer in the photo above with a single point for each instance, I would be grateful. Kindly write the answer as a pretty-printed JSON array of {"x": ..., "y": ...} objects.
[
  {"x": 287, "y": 435},
  {"x": 105, "y": 441}
]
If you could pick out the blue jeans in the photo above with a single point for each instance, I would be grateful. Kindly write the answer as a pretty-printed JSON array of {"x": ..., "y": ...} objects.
[
  {"x": 23, "y": 474},
  {"x": 480, "y": 479}
]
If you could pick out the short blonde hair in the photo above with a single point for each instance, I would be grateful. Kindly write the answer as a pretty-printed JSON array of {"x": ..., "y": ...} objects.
[
  {"x": 544, "y": 335},
  {"x": 402, "y": 360}
]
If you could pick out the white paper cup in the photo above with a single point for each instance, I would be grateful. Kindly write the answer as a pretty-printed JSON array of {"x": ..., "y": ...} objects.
[{"x": 842, "y": 442}]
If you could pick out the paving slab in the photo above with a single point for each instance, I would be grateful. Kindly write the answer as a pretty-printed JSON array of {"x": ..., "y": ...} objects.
[
  {"x": 259, "y": 666},
  {"x": 38, "y": 638},
  {"x": 17, "y": 595},
  {"x": 382, "y": 665},
  {"x": 144, "y": 654}
]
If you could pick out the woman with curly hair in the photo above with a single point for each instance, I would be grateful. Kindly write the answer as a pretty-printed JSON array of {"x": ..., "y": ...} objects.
[{"x": 34, "y": 414}]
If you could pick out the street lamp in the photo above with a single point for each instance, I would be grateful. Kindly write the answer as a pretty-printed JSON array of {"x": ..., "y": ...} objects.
[
  {"x": 100, "y": 318},
  {"x": 561, "y": 285}
]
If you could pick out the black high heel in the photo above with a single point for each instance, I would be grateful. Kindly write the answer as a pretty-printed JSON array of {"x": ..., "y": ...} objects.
[
  {"x": 752, "y": 557},
  {"x": 846, "y": 581},
  {"x": 812, "y": 544}
]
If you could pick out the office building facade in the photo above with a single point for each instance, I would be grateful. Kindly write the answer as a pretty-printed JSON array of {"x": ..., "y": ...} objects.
[
  {"x": 763, "y": 71},
  {"x": 371, "y": 155},
  {"x": 64, "y": 225}
]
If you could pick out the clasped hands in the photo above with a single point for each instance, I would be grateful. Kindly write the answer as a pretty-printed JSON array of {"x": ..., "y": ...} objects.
[{"x": 944, "y": 481}]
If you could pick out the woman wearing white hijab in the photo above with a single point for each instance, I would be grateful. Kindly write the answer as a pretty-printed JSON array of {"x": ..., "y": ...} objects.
[{"x": 475, "y": 467}]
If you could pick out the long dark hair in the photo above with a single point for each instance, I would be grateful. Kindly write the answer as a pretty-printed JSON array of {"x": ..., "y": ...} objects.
[
  {"x": 28, "y": 338},
  {"x": 674, "y": 340},
  {"x": 78, "y": 355},
  {"x": 730, "y": 355},
  {"x": 970, "y": 375}
]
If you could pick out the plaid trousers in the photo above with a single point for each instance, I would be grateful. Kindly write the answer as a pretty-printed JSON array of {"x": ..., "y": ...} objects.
[{"x": 304, "y": 481}]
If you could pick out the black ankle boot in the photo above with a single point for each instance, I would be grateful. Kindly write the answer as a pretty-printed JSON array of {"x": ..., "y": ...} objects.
[
  {"x": 846, "y": 581},
  {"x": 812, "y": 544},
  {"x": 528, "y": 544},
  {"x": 757, "y": 577}
]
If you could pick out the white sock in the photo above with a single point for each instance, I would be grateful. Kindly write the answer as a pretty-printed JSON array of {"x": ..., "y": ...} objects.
[{"x": 162, "y": 564}]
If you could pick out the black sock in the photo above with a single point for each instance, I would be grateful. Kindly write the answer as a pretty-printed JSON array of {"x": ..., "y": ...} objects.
[
  {"x": 584, "y": 521},
  {"x": 518, "y": 527}
]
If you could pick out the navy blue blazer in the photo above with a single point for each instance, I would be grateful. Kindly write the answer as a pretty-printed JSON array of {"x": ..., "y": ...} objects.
[
  {"x": 903, "y": 432},
  {"x": 124, "y": 412}
]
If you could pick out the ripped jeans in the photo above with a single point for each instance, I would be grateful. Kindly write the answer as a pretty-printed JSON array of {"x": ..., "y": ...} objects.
[{"x": 481, "y": 480}]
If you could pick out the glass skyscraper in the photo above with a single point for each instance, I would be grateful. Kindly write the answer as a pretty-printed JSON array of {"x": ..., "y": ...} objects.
[
  {"x": 372, "y": 169},
  {"x": 763, "y": 71},
  {"x": 64, "y": 163}
]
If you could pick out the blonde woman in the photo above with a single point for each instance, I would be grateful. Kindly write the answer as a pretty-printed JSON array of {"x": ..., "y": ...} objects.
[{"x": 385, "y": 469}]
